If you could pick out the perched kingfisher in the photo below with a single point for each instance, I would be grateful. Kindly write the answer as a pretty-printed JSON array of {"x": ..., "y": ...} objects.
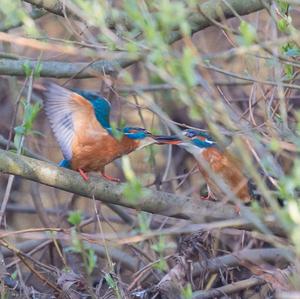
[
  {"x": 80, "y": 123},
  {"x": 222, "y": 163}
]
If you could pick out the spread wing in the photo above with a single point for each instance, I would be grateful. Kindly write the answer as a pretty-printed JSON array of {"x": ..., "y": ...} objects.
[
  {"x": 100, "y": 104},
  {"x": 62, "y": 107}
]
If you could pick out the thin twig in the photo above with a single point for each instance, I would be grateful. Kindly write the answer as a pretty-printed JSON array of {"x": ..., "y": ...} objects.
[{"x": 229, "y": 289}]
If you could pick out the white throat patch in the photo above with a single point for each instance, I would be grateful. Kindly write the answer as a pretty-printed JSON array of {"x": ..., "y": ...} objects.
[{"x": 193, "y": 149}]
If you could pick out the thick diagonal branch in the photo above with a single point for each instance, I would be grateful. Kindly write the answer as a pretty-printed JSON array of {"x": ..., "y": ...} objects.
[{"x": 150, "y": 200}]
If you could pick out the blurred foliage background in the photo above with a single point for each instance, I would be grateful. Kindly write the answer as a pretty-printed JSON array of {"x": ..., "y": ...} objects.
[{"x": 226, "y": 67}]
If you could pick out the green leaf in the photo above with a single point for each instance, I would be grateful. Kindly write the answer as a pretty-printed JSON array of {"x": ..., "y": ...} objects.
[
  {"x": 37, "y": 70},
  {"x": 110, "y": 281},
  {"x": 187, "y": 292},
  {"x": 133, "y": 190},
  {"x": 92, "y": 260},
  {"x": 17, "y": 141},
  {"x": 185, "y": 28},
  {"x": 296, "y": 171},
  {"x": 188, "y": 64},
  {"x": 161, "y": 265},
  {"x": 116, "y": 132},
  {"x": 283, "y": 6},
  {"x": 13, "y": 12},
  {"x": 248, "y": 33},
  {"x": 274, "y": 145},
  {"x": 195, "y": 113},
  {"x": 14, "y": 275},
  {"x": 144, "y": 220},
  {"x": 30, "y": 114},
  {"x": 159, "y": 246},
  {"x": 296, "y": 238},
  {"x": 165, "y": 17},
  {"x": 26, "y": 68},
  {"x": 76, "y": 243},
  {"x": 128, "y": 171},
  {"x": 289, "y": 71},
  {"x": 19, "y": 132},
  {"x": 282, "y": 25},
  {"x": 132, "y": 47},
  {"x": 75, "y": 217}
]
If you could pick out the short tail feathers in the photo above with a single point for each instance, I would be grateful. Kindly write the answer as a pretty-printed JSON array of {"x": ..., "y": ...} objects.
[{"x": 65, "y": 164}]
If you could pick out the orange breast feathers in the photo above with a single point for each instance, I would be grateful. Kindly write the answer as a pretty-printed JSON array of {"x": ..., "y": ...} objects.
[
  {"x": 227, "y": 168},
  {"x": 93, "y": 147}
]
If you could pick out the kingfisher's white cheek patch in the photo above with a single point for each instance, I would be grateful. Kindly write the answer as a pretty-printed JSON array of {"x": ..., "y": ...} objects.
[{"x": 209, "y": 141}]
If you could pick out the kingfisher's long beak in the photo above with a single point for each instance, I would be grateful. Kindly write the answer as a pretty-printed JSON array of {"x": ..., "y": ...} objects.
[{"x": 165, "y": 139}]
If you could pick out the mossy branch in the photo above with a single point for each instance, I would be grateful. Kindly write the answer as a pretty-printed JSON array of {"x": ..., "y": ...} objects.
[
  {"x": 59, "y": 69},
  {"x": 151, "y": 201}
]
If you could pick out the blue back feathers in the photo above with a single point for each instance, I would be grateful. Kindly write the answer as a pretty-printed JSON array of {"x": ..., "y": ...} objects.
[{"x": 101, "y": 106}]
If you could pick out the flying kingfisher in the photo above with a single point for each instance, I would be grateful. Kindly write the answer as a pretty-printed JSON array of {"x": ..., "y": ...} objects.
[
  {"x": 80, "y": 122},
  {"x": 222, "y": 163}
]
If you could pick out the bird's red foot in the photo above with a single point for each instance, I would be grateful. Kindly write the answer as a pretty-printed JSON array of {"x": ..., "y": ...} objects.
[
  {"x": 83, "y": 174},
  {"x": 207, "y": 197},
  {"x": 110, "y": 178}
]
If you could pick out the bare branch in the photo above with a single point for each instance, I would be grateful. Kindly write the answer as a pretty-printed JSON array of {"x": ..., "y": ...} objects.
[
  {"x": 210, "y": 10},
  {"x": 232, "y": 260},
  {"x": 58, "y": 69},
  {"x": 65, "y": 70},
  {"x": 217, "y": 10},
  {"x": 53, "y": 6},
  {"x": 229, "y": 289}
]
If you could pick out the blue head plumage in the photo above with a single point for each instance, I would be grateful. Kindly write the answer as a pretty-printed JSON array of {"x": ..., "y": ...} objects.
[
  {"x": 200, "y": 139},
  {"x": 136, "y": 133}
]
